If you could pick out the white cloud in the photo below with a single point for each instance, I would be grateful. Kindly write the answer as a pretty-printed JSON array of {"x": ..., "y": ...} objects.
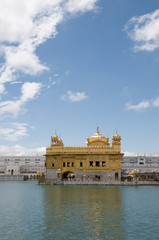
[
  {"x": 18, "y": 150},
  {"x": 23, "y": 59},
  {"x": 2, "y": 89},
  {"x": 56, "y": 75},
  {"x": 30, "y": 90},
  {"x": 51, "y": 84},
  {"x": 156, "y": 102},
  {"x": 14, "y": 132},
  {"x": 144, "y": 31},
  {"x": 74, "y": 97},
  {"x": 24, "y": 25},
  {"x": 27, "y": 25},
  {"x": 129, "y": 154},
  {"x": 16, "y": 107},
  {"x": 6, "y": 75},
  {"x": 75, "y": 6},
  {"x": 67, "y": 73},
  {"x": 142, "y": 105},
  {"x": 16, "y": 82}
]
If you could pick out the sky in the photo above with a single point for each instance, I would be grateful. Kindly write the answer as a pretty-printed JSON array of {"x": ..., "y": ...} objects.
[{"x": 68, "y": 66}]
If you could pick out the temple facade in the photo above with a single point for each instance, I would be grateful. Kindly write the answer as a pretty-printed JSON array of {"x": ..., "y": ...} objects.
[{"x": 97, "y": 161}]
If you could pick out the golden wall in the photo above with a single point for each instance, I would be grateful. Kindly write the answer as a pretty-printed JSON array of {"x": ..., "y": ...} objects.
[{"x": 98, "y": 158}]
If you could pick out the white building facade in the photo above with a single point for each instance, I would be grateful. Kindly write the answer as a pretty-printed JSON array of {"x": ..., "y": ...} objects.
[
  {"x": 22, "y": 165},
  {"x": 145, "y": 165}
]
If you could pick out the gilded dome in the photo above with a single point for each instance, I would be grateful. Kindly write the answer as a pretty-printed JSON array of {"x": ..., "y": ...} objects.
[
  {"x": 97, "y": 139},
  {"x": 97, "y": 135}
]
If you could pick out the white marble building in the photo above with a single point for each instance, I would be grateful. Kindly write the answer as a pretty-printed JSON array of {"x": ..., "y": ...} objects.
[
  {"x": 21, "y": 165},
  {"x": 142, "y": 163}
]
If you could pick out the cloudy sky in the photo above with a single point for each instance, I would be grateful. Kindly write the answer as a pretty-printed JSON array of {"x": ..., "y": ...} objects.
[{"x": 72, "y": 65}]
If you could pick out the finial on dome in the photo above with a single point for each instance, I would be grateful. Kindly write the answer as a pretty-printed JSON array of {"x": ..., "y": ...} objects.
[
  {"x": 98, "y": 130},
  {"x": 55, "y": 135}
]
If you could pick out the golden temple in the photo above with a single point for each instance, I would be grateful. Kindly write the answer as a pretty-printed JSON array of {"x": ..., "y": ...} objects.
[{"x": 96, "y": 161}]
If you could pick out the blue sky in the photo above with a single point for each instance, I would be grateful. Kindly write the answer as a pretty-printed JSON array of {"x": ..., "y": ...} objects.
[{"x": 73, "y": 65}]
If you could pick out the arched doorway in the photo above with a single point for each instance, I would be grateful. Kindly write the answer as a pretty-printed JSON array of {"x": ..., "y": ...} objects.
[
  {"x": 12, "y": 172},
  {"x": 67, "y": 175},
  {"x": 116, "y": 176}
]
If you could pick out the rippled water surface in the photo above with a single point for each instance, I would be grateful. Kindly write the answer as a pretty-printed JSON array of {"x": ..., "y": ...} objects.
[{"x": 30, "y": 211}]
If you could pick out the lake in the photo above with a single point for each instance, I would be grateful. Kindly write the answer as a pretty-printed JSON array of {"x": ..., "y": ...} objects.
[{"x": 31, "y": 211}]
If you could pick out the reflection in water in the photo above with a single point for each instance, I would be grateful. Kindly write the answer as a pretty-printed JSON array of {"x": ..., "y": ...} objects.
[
  {"x": 83, "y": 212},
  {"x": 30, "y": 212}
]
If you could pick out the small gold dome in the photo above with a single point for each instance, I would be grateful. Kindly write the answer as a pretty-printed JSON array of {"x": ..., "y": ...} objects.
[
  {"x": 55, "y": 137},
  {"x": 98, "y": 139},
  {"x": 59, "y": 140},
  {"x": 97, "y": 134},
  {"x": 116, "y": 134}
]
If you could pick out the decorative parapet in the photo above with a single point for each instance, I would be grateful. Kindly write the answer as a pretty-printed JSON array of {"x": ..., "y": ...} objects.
[{"x": 82, "y": 150}]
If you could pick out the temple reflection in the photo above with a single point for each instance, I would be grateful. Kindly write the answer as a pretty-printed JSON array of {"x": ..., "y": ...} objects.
[{"x": 91, "y": 212}]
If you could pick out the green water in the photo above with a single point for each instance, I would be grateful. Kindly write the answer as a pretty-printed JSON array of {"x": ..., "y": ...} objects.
[{"x": 29, "y": 211}]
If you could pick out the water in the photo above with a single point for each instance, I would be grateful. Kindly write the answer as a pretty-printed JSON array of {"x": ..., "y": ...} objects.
[{"x": 29, "y": 211}]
